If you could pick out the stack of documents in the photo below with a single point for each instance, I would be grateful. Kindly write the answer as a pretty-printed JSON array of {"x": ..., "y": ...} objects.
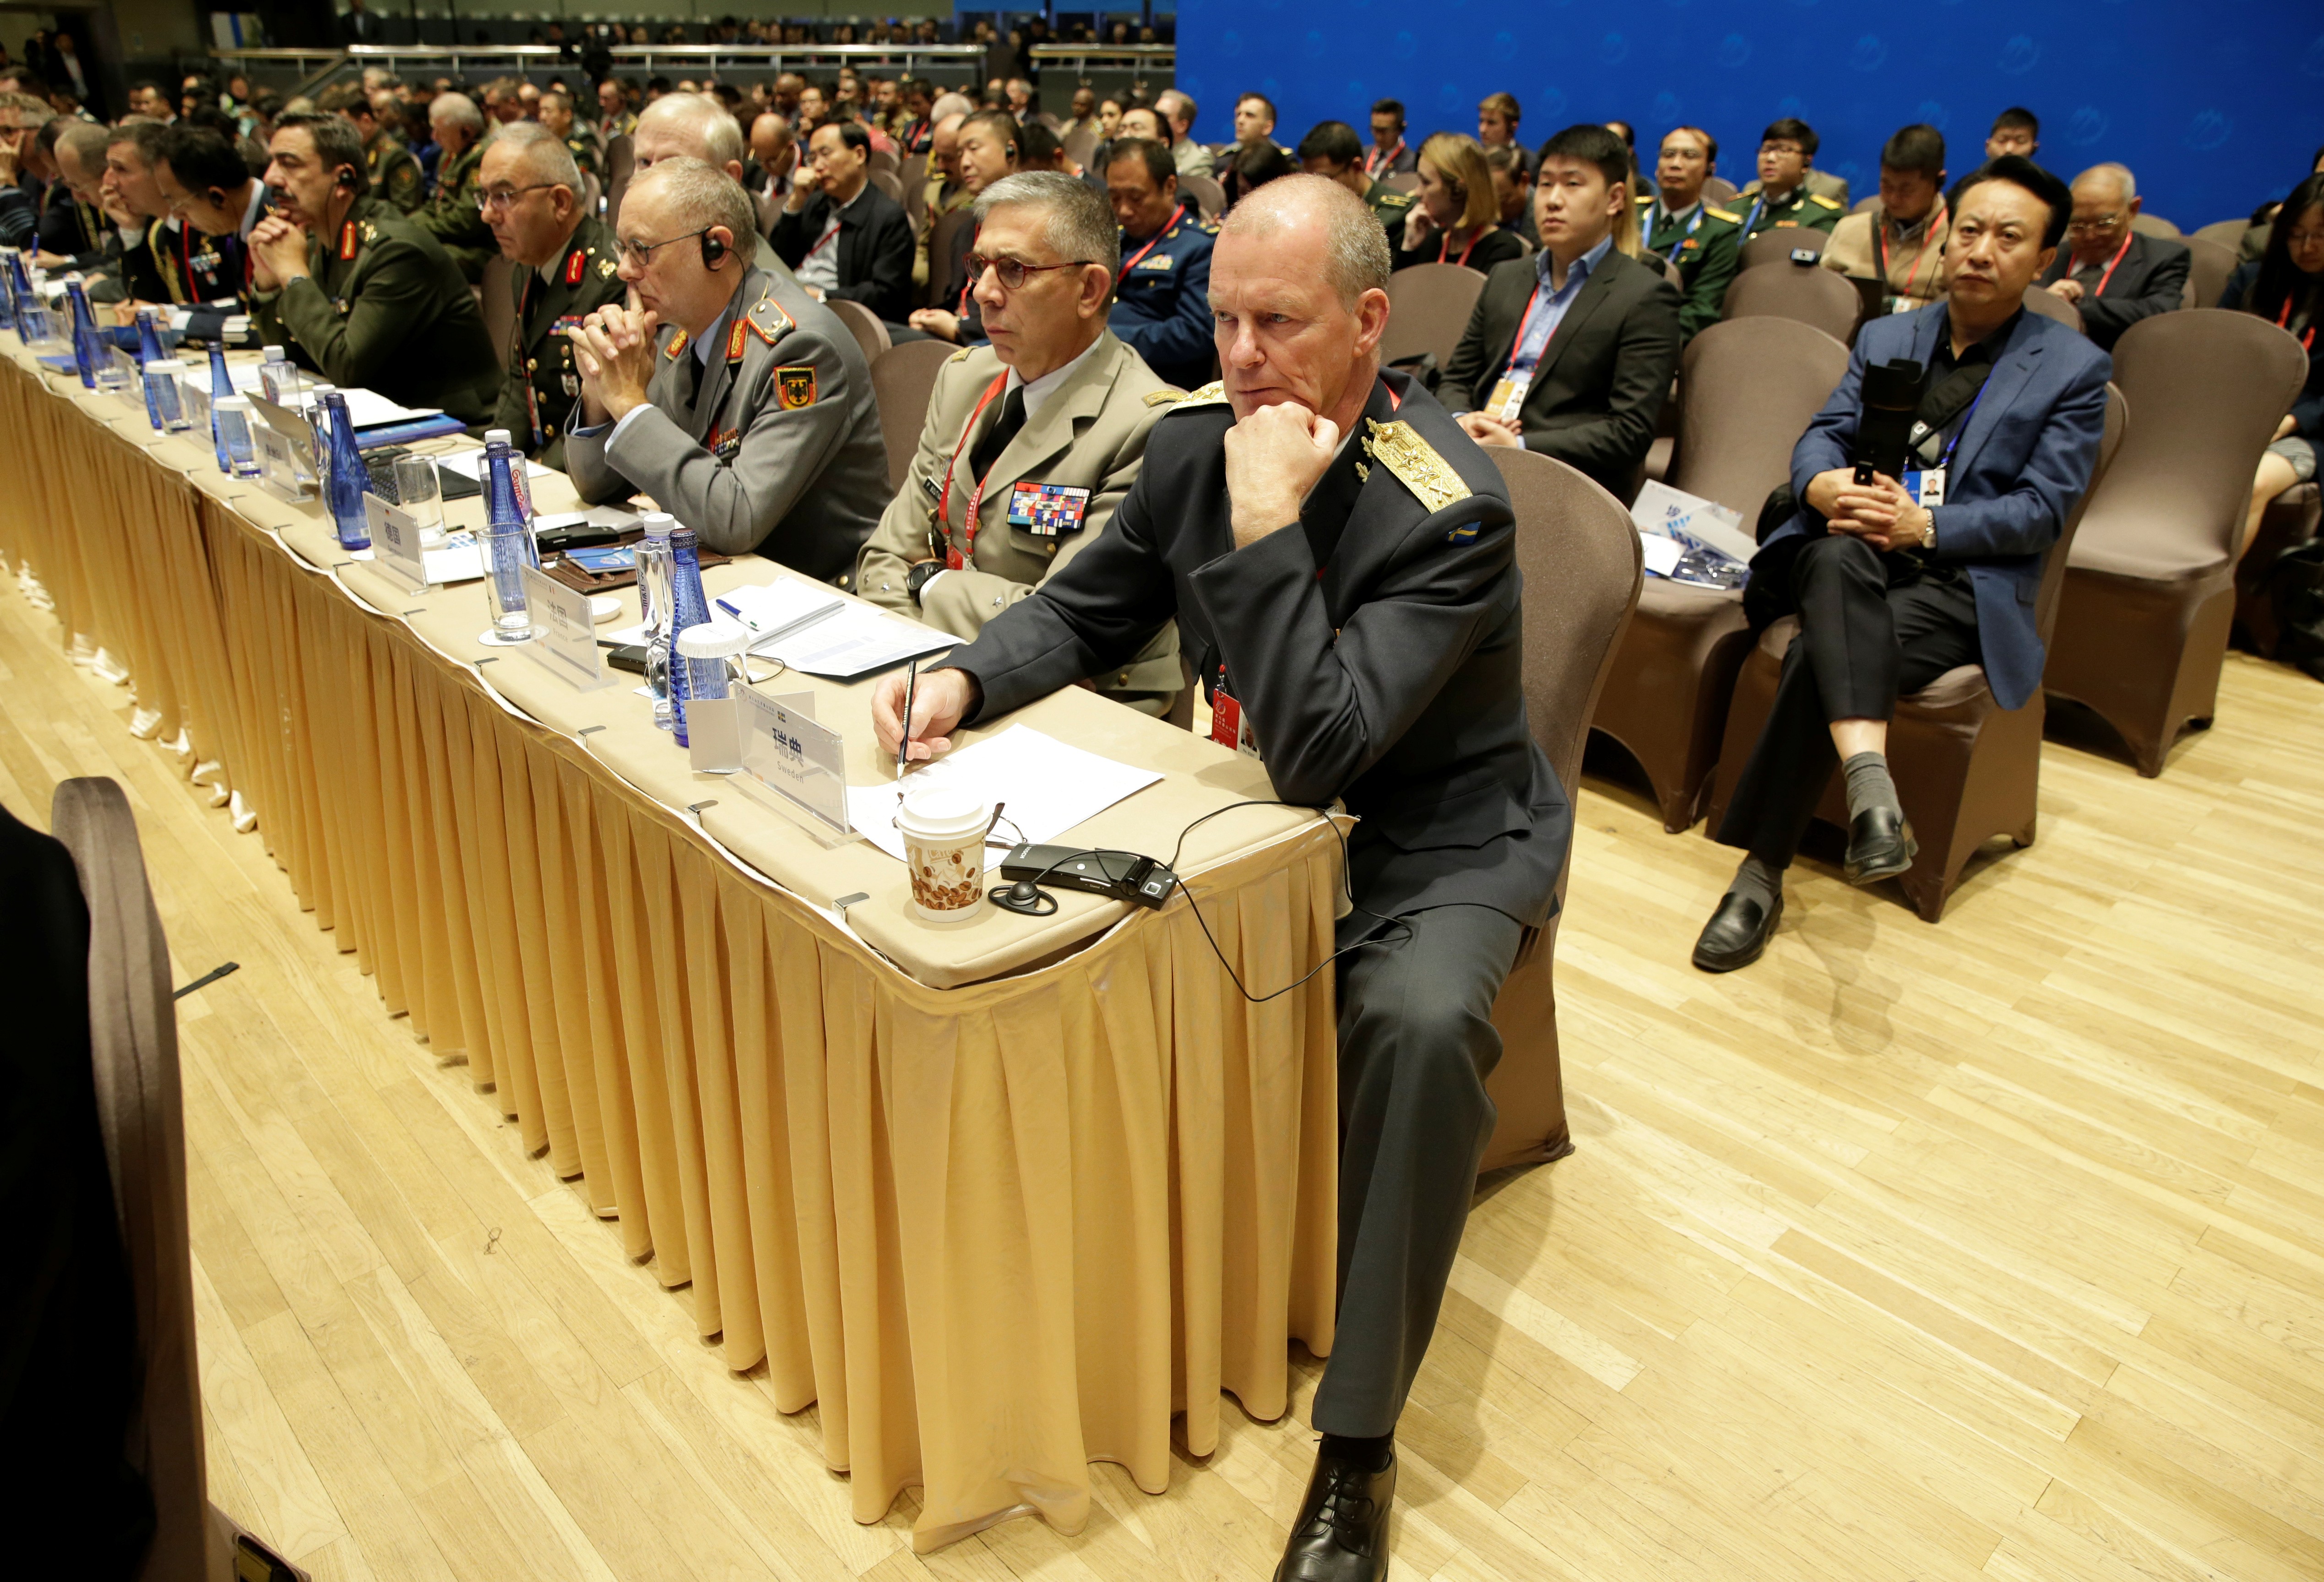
[
  {"x": 1043, "y": 787},
  {"x": 1691, "y": 539},
  {"x": 813, "y": 630}
]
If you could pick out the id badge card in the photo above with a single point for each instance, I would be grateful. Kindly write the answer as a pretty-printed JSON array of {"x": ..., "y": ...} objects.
[
  {"x": 1926, "y": 487},
  {"x": 1047, "y": 509},
  {"x": 1507, "y": 399},
  {"x": 1229, "y": 727}
]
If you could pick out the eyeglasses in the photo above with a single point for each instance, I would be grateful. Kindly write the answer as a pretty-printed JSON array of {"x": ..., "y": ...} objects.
[
  {"x": 1012, "y": 272},
  {"x": 504, "y": 197},
  {"x": 2105, "y": 227},
  {"x": 642, "y": 253}
]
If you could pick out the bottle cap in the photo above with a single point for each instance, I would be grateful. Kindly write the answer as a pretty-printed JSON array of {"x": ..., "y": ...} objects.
[
  {"x": 73, "y": 278},
  {"x": 713, "y": 639},
  {"x": 166, "y": 365},
  {"x": 233, "y": 403},
  {"x": 271, "y": 354},
  {"x": 657, "y": 523},
  {"x": 500, "y": 435}
]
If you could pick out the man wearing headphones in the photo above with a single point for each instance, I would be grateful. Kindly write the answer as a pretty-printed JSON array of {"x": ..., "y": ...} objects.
[
  {"x": 733, "y": 397},
  {"x": 356, "y": 290}
]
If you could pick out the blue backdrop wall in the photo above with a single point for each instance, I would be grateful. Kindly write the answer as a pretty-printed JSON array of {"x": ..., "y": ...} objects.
[{"x": 2216, "y": 107}]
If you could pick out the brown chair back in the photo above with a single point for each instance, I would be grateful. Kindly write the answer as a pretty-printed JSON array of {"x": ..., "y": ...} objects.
[
  {"x": 914, "y": 171},
  {"x": 1777, "y": 246},
  {"x": 621, "y": 160},
  {"x": 890, "y": 183},
  {"x": 2209, "y": 263},
  {"x": 903, "y": 377},
  {"x": 1080, "y": 146},
  {"x": 1671, "y": 271},
  {"x": 1405, "y": 181},
  {"x": 496, "y": 297},
  {"x": 864, "y": 325},
  {"x": 2227, "y": 233},
  {"x": 943, "y": 285},
  {"x": 2054, "y": 570},
  {"x": 1749, "y": 387},
  {"x": 2148, "y": 224},
  {"x": 1864, "y": 205},
  {"x": 2046, "y": 302},
  {"x": 884, "y": 159},
  {"x": 1810, "y": 293},
  {"x": 1209, "y": 197},
  {"x": 1718, "y": 189},
  {"x": 1428, "y": 306}
]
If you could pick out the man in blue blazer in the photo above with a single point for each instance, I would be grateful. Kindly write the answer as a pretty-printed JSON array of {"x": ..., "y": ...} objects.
[{"x": 1892, "y": 593}]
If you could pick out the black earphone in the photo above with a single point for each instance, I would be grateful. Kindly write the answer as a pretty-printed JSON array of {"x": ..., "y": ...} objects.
[
  {"x": 344, "y": 177},
  {"x": 714, "y": 251}
]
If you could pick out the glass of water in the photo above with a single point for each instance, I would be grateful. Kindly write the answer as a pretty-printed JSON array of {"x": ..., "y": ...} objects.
[{"x": 420, "y": 495}]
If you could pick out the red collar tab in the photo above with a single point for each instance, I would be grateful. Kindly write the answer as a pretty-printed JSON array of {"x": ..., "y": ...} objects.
[
  {"x": 346, "y": 240},
  {"x": 575, "y": 263}
]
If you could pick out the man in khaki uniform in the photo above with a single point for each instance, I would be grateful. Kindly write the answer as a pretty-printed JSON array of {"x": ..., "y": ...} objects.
[
  {"x": 1046, "y": 459},
  {"x": 1901, "y": 239}
]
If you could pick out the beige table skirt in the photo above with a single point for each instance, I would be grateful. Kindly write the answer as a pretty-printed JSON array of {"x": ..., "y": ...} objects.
[{"x": 996, "y": 1230}]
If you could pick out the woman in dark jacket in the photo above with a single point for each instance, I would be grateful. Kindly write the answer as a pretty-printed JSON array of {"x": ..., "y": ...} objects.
[
  {"x": 2285, "y": 286},
  {"x": 1455, "y": 217}
]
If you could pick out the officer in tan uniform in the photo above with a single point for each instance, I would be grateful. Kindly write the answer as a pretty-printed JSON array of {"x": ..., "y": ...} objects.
[
  {"x": 730, "y": 395},
  {"x": 1043, "y": 460}
]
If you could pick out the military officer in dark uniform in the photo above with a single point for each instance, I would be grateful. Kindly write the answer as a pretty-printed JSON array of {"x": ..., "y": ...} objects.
[
  {"x": 216, "y": 205},
  {"x": 356, "y": 292},
  {"x": 451, "y": 216},
  {"x": 1331, "y": 150},
  {"x": 1355, "y": 613},
  {"x": 557, "y": 114},
  {"x": 1782, "y": 199},
  {"x": 394, "y": 171},
  {"x": 1161, "y": 300},
  {"x": 568, "y": 267},
  {"x": 1677, "y": 223}
]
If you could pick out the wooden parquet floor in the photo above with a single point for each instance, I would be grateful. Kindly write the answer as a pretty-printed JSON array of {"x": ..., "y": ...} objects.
[{"x": 1994, "y": 1249}]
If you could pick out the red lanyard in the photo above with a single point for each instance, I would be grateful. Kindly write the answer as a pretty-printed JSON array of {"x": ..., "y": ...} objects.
[
  {"x": 2100, "y": 289},
  {"x": 956, "y": 558},
  {"x": 2283, "y": 321},
  {"x": 1919, "y": 258},
  {"x": 1175, "y": 216},
  {"x": 1445, "y": 246},
  {"x": 824, "y": 240},
  {"x": 1383, "y": 162}
]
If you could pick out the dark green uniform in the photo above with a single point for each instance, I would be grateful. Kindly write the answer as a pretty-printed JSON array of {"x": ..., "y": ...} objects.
[
  {"x": 540, "y": 356},
  {"x": 1807, "y": 210},
  {"x": 1389, "y": 206},
  {"x": 395, "y": 173},
  {"x": 383, "y": 309},
  {"x": 1706, "y": 246},
  {"x": 452, "y": 218},
  {"x": 584, "y": 151}
]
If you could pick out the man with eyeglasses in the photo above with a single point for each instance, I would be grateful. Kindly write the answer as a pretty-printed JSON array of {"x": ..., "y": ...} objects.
[
  {"x": 1782, "y": 196},
  {"x": 696, "y": 126},
  {"x": 216, "y": 205},
  {"x": 1032, "y": 441},
  {"x": 842, "y": 235},
  {"x": 356, "y": 292},
  {"x": 2114, "y": 275},
  {"x": 567, "y": 267},
  {"x": 730, "y": 395}
]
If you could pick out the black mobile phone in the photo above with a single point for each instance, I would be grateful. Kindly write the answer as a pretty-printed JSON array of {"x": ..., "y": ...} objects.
[
  {"x": 580, "y": 536},
  {"x": 629, "y": 657}
]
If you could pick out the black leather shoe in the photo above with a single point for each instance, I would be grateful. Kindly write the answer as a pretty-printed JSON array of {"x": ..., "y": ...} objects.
[
  {"x": 1880, "y": 845},
  {"x": 1736, "y": 933},
  {"x": 1341, "y": 1531}
]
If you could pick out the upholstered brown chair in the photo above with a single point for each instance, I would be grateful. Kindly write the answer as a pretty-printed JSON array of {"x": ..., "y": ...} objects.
[
  {"x": 2227, "y": 233},
  {"x": 621, "y": 160},
  {"x": 133, "y": 1052},
  {"x": 1750, "y": 385},
  {"x": 2046, "y": 302},
  {"x": 2209, "y": 263},
  {"x": 903, "y": 378},
  {"x": 1209, "y": 197},
  {"x": 2291, "y": 518},
  {"x": 1807, "y": 293},
  {"x": 2149, "y": 586},
  {"x": 2148, "y": 224},
  {"x": 1777, "y": 246},
  {"x": 1718, "y": 189},
  {"x": 945, "y": 283},
  {"x": 1081, "y": 147},
  {"x": 1428, "y": 306},
  {"x": 1966, "y": 769},
  {"x": 870, "y": 335},
  {"x": 496, "y": 299},
  {"x": 1580, "y": 557},
  {"x": 889, "y": 182}
]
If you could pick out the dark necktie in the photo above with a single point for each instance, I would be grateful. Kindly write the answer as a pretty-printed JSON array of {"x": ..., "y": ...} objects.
[{"x": 996, "y": 438}]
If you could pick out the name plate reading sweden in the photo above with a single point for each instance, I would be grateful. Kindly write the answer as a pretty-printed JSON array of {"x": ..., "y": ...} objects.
[
  {"x": 799, "y": 761},
  {"x": 564, "y": 636}
]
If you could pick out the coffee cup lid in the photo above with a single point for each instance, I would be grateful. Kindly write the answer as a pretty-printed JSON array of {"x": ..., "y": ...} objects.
[{"x": 941, "y": 813}]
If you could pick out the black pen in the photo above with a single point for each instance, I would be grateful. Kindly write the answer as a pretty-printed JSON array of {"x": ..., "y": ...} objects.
[{"x": 904, "y": 737}]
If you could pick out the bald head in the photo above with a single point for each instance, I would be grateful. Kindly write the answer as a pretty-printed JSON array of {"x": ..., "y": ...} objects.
[
  {"x": 692, "y": 126},
  {"x": 2106, "y": 200},
  {"x": 2111, "y": 181},
  {"x": 771, "y": 142},
  {"x": 1321, "y": 219}
]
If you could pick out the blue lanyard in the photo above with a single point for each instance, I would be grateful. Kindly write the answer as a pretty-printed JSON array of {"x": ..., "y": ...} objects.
[
  {"x": 1757, "y": 204},
  {"x": 1952, "y": 444},
  {"x": 1679, "y": 246}
]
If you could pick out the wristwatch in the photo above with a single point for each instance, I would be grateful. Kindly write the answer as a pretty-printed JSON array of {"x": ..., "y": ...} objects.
[{"x": 923, "y": 572}]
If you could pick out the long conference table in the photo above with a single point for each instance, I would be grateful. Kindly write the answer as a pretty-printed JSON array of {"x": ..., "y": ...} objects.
[{"x": 1002, "y": 1198}]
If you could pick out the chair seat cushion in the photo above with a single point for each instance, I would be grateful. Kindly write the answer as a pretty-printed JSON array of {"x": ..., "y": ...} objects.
[
  {"x": 1962, "y": 688},
  {"x": 1674, "y": 604},
  {"x": 2152, "y": 560}
]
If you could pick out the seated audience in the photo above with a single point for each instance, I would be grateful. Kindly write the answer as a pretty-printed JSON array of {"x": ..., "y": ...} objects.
[
  {"x": 1496, "y": 127},
  {"x": 694, "y": 127},
  {"x": 1390, "y": 155},
  {"x": 2256, "y": 237},
  {"x": 75, "y": 227},
  {"x": 131, "y": 152},
  {"x": 1900, "y": 240},
  {"x": 1782, "y": 198},
  {"x": 353, "y": 290},
  {"x": 1161, "y": 304},
  {"x": 1083, "y": 115},
  {"x": 1512, "y": 192},
  {"x": 613, "y": 117},
  {"x": 216, "y": 205},
  {"x": 1641, "y": 185},
  {"x": 568, "y": 267},
  {"x": 2111, "y": 273},
  {"x": 1679, "y": 224},
  {"x": 729, "y": 394},
  {"x": 557, "y": 114},
  {"x": 1455, "y": 217},
  {"x": 2285, "y": 286},
  {"x": 1330, "y": 150},
  {"x": 1039, "y": 434},
  {"x": 1571, "y": 351},
  {"x": 990, "y": 141},
  {"x": 843, "y": 236},
  {"x": 775, "y": 151},
  {"x": 394, "y": 174},
  {"x": 2015, "y": 131},
  {"x": 1891, "y": 595},
  {"x": 1254, "y": 121},
  {"x": 1177, "y": 113},
  {"x": 451, "y": 216}
]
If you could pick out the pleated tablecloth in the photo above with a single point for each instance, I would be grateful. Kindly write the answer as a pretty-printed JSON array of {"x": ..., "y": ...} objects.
[{"x": 1002, "y": 1199}]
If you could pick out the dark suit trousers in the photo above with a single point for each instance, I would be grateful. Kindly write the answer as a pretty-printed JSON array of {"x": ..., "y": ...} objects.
[
  {"x": 1417, "y": 1042},
  {"x": 1864, "y": 641}
]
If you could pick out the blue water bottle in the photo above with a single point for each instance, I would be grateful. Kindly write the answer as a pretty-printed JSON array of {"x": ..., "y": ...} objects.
[
  {"x": 688, "y": 606},
  {"x": 149, "y": 351},
  {"x": 507, "y": 538},
  {"x": 344, "y": 479},
  {"x": 8, "y": 257},
  {"x": 221, "y": 387},
  {"x": 88, "y": 346}
]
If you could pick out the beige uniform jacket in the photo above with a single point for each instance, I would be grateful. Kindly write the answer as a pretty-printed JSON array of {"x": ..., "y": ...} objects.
[
  {"x": 1915, "y": 261},
  {"x": 1089, "y": 434}
]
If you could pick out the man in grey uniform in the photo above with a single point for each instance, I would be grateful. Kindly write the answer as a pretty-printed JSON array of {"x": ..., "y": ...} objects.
[{"x": 731, "y": 397}]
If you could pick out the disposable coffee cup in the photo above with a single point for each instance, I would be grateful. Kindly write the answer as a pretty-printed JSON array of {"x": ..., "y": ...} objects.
[{"x": 944, "y": 846}]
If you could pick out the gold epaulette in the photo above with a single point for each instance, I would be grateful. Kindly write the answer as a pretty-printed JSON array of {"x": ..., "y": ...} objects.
[
  {"x": 1820, "y": 197},
  {"x": 961, "y": 355},
  {"x": 1398, "y": 447},
  {"x": 1720, "y": 214},
  {"x": 1211, "y": 395},
  {"x": 1165, "y": 398}
]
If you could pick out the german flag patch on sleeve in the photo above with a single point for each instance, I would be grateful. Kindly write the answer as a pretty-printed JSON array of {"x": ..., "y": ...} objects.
[{"x": 795, "y": 387}]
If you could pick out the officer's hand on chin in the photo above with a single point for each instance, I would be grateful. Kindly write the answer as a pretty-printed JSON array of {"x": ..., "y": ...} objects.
[{"x": 1274, "y": 457}]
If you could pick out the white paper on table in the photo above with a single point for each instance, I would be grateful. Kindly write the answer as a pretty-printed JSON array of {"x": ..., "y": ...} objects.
[
  {"x": 460, "y": 559},
  {"x": 854, "y": 640},
  {"x": 470, "y": 465},
  {"x": 782, "y": 606},
  {"x": 367, "y": 409},
  {"x": 243, "y": 378},
  {"x": 1049, "y": 786}
]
